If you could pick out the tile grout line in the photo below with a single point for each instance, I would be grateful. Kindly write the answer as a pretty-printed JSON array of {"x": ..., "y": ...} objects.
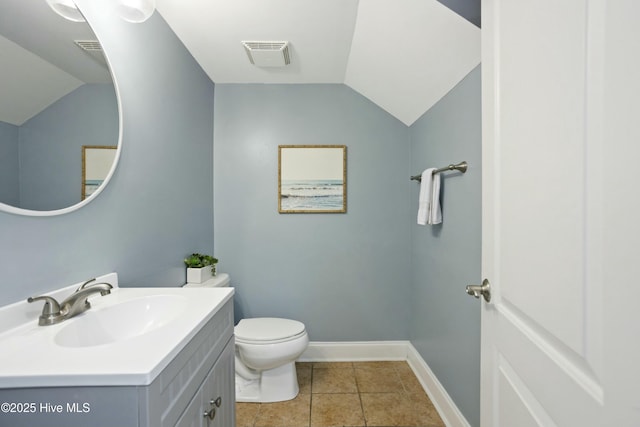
[
  {"x": 311, "y": 393},
  {"x": 364, "y": 418},
  {"x": 399, "y": 373}
]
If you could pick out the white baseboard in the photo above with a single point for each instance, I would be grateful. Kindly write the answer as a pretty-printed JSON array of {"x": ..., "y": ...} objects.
[
  {"x": 319, "y": 351},
  {"x": 390, "y": 350},
  {"x": 447, "y": 409}
]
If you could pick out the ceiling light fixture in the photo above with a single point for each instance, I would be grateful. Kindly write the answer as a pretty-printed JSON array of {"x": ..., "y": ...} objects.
[
  {"x": 67, "y": 9},
  {"x": 136, "y": 11}
]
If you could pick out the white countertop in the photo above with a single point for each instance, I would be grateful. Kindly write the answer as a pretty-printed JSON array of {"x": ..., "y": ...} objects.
[{"x": 30, "y": 355}]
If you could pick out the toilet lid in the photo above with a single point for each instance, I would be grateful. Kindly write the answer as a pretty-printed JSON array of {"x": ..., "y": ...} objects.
[{"x": 267, "y": 329}]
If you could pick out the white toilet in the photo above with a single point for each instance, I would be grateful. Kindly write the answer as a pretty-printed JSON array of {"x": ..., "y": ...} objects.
[{"x": 266, "y": 351}]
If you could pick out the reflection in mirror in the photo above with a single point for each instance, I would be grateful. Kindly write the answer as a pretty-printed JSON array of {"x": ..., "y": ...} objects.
[
  {"x": 56, "y": 96},
  {"x": 96, "y": 163}
]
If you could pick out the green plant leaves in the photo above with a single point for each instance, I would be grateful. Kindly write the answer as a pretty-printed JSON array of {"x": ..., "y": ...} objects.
[{"x": 199, "y": 260}]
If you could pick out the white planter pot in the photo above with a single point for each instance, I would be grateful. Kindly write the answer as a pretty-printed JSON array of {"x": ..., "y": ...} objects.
[{"x": 200, "y": 275}]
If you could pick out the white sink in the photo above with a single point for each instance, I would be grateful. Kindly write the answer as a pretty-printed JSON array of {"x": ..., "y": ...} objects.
[
  {"x": 126, "y": 338},
  {"x": 122, "y": 321}
]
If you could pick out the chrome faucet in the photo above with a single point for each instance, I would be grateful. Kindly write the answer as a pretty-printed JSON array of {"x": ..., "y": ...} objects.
[
  {"x": 54, "y": 312},
  {"x": 50, "y": 312},
  {"x": 77, "y": 302}
]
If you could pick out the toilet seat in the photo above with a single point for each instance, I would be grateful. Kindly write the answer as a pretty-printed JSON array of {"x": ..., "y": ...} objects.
[{"x": 268, "y": 330}]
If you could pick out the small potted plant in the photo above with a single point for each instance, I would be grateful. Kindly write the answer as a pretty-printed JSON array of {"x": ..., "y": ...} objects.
[{"x": 200, "y": 268}]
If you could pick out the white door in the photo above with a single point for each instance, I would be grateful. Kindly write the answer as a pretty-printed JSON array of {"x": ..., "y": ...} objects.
[{"x": 561, "y": 213}]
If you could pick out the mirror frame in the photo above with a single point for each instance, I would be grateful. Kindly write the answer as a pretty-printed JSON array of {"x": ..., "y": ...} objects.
[{"x": 29, "y": 212}]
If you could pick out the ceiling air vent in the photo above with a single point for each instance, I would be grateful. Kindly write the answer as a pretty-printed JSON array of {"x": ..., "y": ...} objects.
[
  {"x": 93, "y": 48},
  {"x": 268, "y": 54},
  {"x": 89, "y": 45}
]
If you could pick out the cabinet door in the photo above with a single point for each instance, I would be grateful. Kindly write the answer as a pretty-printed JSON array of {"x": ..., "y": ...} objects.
[
  {"x": 218, "y": 390},
  {"x": 193, "y": 415},
  {"x": 214, "y": 403}
]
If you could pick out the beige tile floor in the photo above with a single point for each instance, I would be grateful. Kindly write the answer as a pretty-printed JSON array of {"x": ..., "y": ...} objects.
[{"x": 355, "y": 394}]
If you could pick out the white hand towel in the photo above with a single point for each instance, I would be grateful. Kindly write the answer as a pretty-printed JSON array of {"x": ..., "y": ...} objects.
[
  {"x": 429, "y": 200},
  {"x": 435, "y": 213},
  {"x": 424, "y": 199}
]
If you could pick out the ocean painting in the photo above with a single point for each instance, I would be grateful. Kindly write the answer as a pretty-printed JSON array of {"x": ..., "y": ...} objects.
[
  {"x": 312, "y": 179},
  {"x": 311, "y": 195}
]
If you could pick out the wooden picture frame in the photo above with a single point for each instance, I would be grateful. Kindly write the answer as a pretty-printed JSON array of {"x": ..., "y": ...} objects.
[
  {"x": 97, "y": 161},
  {"x": 312, "y": 178}
]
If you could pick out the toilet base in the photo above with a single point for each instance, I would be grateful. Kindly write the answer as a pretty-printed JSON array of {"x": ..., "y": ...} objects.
[{"x": 274, "y": 385}]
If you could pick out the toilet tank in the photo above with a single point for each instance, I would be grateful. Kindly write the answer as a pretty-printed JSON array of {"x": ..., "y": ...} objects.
[{"x": 220, "y": 280}]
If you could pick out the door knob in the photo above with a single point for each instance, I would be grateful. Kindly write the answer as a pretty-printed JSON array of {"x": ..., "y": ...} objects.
[{"x": 484, "y": 290}]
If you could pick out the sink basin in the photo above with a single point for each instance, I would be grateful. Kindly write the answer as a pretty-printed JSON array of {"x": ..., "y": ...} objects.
[
  {"x": 121, "y": 321},
  {"x": 126, "y": 338}
]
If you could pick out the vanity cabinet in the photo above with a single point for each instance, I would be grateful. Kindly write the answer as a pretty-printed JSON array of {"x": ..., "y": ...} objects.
[
  {"x": 213, "y": 405},
  {"x": 201, "y": 372}
]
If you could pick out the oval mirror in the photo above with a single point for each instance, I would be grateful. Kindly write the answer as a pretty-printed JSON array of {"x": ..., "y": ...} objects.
[{"x": 59, "y": 115}]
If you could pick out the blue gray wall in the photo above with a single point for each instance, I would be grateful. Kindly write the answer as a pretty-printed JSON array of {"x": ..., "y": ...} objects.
[
  {"x": 9, "y": 160},
  {"x": 159, "y": 205},
  {"x": 348, "y": 277},
  {"x": 445, "y": 322},
  {"x": 344, "y": 275},
  {"x": 51, "y": 145}
]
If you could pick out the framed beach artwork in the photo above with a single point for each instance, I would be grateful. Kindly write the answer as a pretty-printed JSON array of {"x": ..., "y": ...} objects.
[
  {"x": 312, "y": 178},
  {"x": 96, "y": 164}
]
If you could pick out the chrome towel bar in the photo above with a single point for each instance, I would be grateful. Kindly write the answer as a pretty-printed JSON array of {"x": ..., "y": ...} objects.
[{"x": 462, "y": 167}]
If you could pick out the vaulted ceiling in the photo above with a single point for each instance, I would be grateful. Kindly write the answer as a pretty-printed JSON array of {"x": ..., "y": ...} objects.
[
  {"x": 40, "y": 61},
  {"x": 403, "y": 55}
]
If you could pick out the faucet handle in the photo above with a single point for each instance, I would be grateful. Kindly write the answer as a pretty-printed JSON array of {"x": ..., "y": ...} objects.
[
  {"x": 86, "y": 283},
  {"x": 50, "y": 312}
]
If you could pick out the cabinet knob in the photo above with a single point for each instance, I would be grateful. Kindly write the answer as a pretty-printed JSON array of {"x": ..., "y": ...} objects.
[{"x": 210, "y": 414}]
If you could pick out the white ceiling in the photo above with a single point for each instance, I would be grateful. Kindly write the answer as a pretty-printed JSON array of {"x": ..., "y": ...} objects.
[
  {"x": 40, "y": 61},
  {"x": 403, "y": 55},
  {"x": 33, "y": 91}
]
